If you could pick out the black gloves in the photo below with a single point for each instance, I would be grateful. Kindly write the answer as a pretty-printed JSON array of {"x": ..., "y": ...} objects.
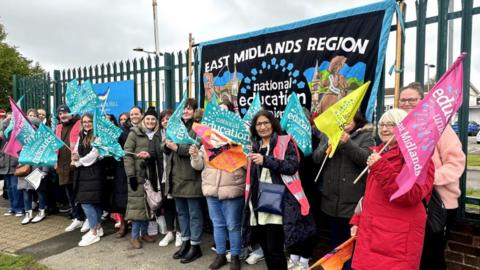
[{"x": 133, "y": 183}]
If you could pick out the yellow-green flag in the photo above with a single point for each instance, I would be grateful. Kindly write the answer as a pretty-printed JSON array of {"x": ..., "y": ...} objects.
[{"x": 332, "y": 121}]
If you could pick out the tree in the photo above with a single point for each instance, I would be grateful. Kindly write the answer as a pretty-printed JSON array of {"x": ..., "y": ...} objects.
[{"x": 12, "y": 62}]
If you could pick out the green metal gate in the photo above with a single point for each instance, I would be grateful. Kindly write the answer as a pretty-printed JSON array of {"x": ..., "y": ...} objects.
[{"x": 162, "y": 79}]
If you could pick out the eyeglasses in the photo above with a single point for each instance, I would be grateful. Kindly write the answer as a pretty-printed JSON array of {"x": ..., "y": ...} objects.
[
  {"x": 408, "y": 100},
  {"x": 386, "y": 125},
  {"x": 266, "y": 124}
]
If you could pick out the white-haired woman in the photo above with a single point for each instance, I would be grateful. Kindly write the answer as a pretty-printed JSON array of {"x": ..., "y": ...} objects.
[{"x": 390, "y": 233}]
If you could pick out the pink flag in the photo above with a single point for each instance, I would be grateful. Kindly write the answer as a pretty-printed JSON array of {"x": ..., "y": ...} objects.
[
  {"x": 14, "y": 145},
  {"x": 418, "y": 134}
]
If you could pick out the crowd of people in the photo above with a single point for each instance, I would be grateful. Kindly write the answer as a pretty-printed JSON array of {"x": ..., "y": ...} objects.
[{"x": 389, "y": 234}]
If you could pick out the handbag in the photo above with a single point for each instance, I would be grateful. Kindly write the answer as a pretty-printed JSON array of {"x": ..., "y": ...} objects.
[
  {"x": 436, "y": 213},
  {"x": 153, "y": 198},
  {"x": 270, "y": 198},
  {"x": 23, "y": 170}
]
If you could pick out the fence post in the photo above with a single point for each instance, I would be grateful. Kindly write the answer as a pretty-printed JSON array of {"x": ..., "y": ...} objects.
[
  {"x": 14, "y": 87},
  {"x": 442, "y": 37},
  {"x": 169, "y": 81},
  {"x": 421, "y": 6},
  {"x": 466, "y": 46},
  {"x": 57, "y": 91}
]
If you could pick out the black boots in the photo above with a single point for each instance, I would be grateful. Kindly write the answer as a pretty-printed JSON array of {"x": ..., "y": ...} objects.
[
  {"x": 219, "y": 261},
  {"x": 193, "y": 253},
  {"x": 182, "y": 251},
  {"x": 235, "y": 263}
]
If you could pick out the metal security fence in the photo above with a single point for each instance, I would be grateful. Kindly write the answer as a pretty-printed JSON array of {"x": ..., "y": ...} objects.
[{"x": 161, "y": 80}]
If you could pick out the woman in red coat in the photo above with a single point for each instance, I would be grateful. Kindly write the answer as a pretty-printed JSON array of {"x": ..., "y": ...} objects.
[{"x": 390, "y": 233}]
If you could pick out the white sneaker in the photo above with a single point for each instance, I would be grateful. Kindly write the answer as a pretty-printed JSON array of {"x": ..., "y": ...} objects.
[
  {"x": 100, "y": 232},
  {"x": 229, "y": 256},
  {"x": 104, "y": 215},
  {"x": 162, "y": 224},
  {"x": 85, "y": 226},
  {"x": 40, "y": 216},
  {"x": 167, "y": 239},
  {"x": 74, "y": 225},
  {"x": 89, "y": 239},
  {"x": 254, "y": 258},
  {"x": 291, "y": 264},
  {"x": 19, "y": 214},
  {"x": 178, "y": 239},
  {"x": 28, "y": 217}
]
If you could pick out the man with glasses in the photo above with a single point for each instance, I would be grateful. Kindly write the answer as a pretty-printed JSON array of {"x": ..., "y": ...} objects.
[{"x": 449, "y": 161}]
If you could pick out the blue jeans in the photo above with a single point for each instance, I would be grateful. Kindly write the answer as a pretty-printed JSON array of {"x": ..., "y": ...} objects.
[
  {"x": 139, "y": 227},
  {"x": 226, "y": 216},
  {"x": 190, "y": 218},
  {"x": 15, "y": 196},
  {"x": 28, "y": 197},
  {"x": 93, "y": 212}
]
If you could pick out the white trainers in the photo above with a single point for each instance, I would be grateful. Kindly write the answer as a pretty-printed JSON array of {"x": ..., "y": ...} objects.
[
  {"x": 28, "y": 217},
  {"x": 167, "y": 239},
  {"x": 19, "y": 214},
  {"x": 100, "y": 232},
  {"x": 162, "y": 224},
  {"x": 178, "y": 239},
  {"x": 89, "y": 239},
  {"x": 85, "y": 226},
  {"x": 254, "y": 258},
  {"x": 74, "y": 225},
  {"x": 40, "y": 216}
]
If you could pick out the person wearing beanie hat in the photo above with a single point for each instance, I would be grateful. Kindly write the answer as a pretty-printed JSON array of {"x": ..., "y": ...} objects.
[
  {"x": 138, "y": 168},
  {"x": 151, "y": 111}
]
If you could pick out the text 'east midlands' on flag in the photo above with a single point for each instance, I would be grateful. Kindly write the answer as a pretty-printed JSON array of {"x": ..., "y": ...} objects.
[
  {"x": 418, "y": 134},
  {"x": 332, "y": 121}
]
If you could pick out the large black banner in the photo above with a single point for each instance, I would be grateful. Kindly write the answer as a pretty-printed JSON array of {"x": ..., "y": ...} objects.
[{"x": 329, "y": 54}]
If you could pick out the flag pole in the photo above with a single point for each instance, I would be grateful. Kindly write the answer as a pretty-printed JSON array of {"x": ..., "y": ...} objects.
[
  {"x": 398, "y": 58},
  {"x": 329, "y": 149},
  {"x": 189, "y": 65},
  {"x": 366, "y": 168}
]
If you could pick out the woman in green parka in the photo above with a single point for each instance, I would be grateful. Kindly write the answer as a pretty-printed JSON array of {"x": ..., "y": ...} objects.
[{"x": 138, "y": 167}]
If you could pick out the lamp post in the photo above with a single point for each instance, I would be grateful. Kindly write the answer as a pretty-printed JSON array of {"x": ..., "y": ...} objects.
[
  {"x": 147, "y": 52},
  {"x": 155, "y": 25},
  {"x": 428, "y": 74}
]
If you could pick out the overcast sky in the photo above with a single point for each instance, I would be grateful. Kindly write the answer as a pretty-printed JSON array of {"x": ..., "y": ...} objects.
[{"x": 71, "y": 33}]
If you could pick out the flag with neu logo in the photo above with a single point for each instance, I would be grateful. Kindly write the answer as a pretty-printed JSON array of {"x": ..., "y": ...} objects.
[{"x": 418, "y": 134}]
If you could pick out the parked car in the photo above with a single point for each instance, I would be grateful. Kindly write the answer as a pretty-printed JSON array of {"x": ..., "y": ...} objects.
[
  {"x": 472, "y": 129},
  {"x": 478, "y": 137}
]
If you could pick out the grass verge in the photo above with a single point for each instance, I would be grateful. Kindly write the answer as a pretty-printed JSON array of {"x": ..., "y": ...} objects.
[
  {"x": 12, "y": 262},
  {"x": 473, "y": 160}
]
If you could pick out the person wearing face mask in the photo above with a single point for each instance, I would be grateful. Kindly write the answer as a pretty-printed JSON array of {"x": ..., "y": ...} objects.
[
  {"x": 138, "y": 167},
  {"x": 89, "y": 181},
  {"x": 339, "y": 195},
  {"x": 449, "y": 161},
  {"x": 184, "y": 183},
  {"x": 390, "y": 232},
  {"x": 68, "y": 130}
]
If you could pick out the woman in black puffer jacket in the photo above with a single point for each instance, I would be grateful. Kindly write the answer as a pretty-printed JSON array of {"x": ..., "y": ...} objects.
[{"x": 89, "y": 179}]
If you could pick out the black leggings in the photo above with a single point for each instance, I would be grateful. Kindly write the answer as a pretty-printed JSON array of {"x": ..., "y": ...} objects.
[
  {"x": 271, "y": 239},
  {"x": 170, "y": 213}
]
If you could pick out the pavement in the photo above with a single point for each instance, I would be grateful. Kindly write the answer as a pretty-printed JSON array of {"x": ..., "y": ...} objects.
[{"x": 47, "y": 242}]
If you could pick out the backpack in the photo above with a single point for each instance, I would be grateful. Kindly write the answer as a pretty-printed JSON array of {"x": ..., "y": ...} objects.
[{"x": 436, "y": 213}]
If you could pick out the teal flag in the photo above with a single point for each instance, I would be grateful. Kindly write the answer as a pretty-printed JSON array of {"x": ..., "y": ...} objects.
[
  {"x": 53, "y": 117},
  {"x": 81, "y": 98},
  {"x": 41, "y": 151},
  {"x": 106, "y": 137},
  {"x": 176, "y": 130},
  {"x": 296, "y": 124},
  {"x": 254, "y": 108},
  {"x": 227, "y": 123},
  {"x": 9, "y": 128}
]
